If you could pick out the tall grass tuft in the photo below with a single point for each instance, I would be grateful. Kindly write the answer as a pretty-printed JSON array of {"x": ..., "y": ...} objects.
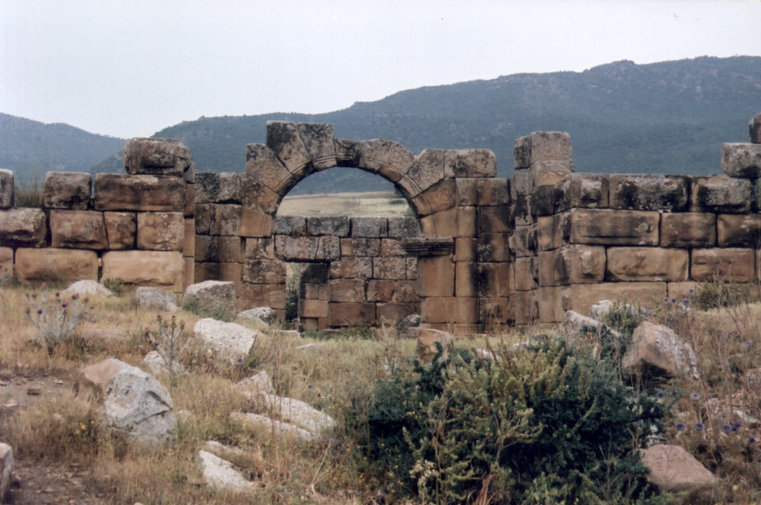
[{"x": 29, "y": 194}]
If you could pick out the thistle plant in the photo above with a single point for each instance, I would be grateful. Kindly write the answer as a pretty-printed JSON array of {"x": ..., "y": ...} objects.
[
  {"x": 168, "y": 343},
  {"x": 57, "y": 319}
]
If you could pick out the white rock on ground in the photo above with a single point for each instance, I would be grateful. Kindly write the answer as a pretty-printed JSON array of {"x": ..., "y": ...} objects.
[
  {"x": 228, "y": 339},
  {"x": 259, "y": 323},
  {"x": 158, "y": 366},
  {"x": 210, "y": 297},
  {"x": 576, "y": 326},
  {"x": 299, "y": 413},
  {"x": 87, "y": 287},
  {"x": 256, "y": 386},
  {"x": 154, "y": 298},
  {"x": 266, "y": 314},
  {"x": 674, "y": 470},
  {"x": 6, "y": 471},
  {"x": 266, "y": 424},
  {"x": 657, "y": 347},
  {"x": 133, "y": 402},
  {"x": 222, "y": 475}
]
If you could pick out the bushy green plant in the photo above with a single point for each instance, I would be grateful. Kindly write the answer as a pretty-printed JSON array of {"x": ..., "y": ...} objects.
[{"x": 116, "y": 286}]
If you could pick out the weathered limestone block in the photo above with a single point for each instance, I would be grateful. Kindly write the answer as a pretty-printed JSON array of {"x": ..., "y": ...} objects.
[
  {"x": 6, "y": 261},
  {"x": 524, "y": 241},
  {"x": 489, "y": 280},
  {"x": 542, "y": 202},
  {"x": 549, "y": 300},
  {"x": 145, "y": 268},
  {"x": 526, "y": 272},
  {"x": 352, "y": 268},
  {"x": 232, "y": 249},
  {"x": 440, "y": 196},
  {"x": 427, "y": 246},
  {"x": 647, "y": 264},
  {"x": 610, "y": 227},
  {"x": 158, "y": 157},
  {"x": 542, "y": 146},
  {"x": 145, "y": 193},
  {"x": 464, "y": 279},
  {"x": 260, "y": 271},
  {"x": 721, "y": 195},
  {"x": 452, "y": 310},
  {"x": 493, "y": 247},
  {"x": 387, "y": 313},
  {"x": 6, "y": 190},
  {"x": 312, "y": 291},
  {"x": 160, "y": 231},
  {"x": 734, "y": 230},
  {"x": 313, "y": 308},
  {"x": 464, "y": 249},
  {"x": 298, "y": 413},
  {"x": 290, "y": 225},
  {"x": 221, "y": 475},
  {"x": 23, "y": 227},
  {"x": 121, "y": 229},
  {"x": 470, "y": 163},
  {"x": 547, "y": 236},
  {"x": 481, "y": 192},
  {"x": 582, "y": 191},
  {"x": 525, "y": 307},
  {"x": 213, "y": 187},
  {"x": 426, "y": 344},
  {"x": 351, "y": 314},
  {"x": 155, "y": 299},
  {"x": 211, "y": 297},
  {"x": 412, "y": 268},
  {"x": 688, "y": 230},
  {"x": 549, "y": 173},
  {"x": 347, "y": 152},
  {"x": 656, "y": 349},
  {"x": 324, "y": 248},
  {"x": 580, "y": 297},
  {"x": 389, "y": 268},
  {"x": 66, "y": 190},
  {"x": 6, "y": 471},
  {"x": 230, "y": 340},
  {"x": 263, "y": 167},
  {"x": 369, "y": 227},
  {"x": 576, "y": 326},
  {"x": 318, "y": 140},
  {"x": 754, "y": 128},
  {"x": 674, "y": 470},
  {"x": 403, "y": 227},
  {"x": 284, "y": 140},
  {"x": 360, "y": 247},
  {"x": 427, "y": 170},
  {"x": 708, "y": 265},
  {"x": 392, "y": 291},
  {"x": 189, "y": 271},
  {"x": 456, "y": 222},
  {"x": 741, "y": 160},
  {"x": 205, "y": 272},
  {"x": 683, "y": 290},
  {"x": 259, "y": 248},
  {"x": 131, "y": 401},
  {"x": 580, "y": 264},
  {"x": 436, "y": 276},
  {"x": 521, "y": 211},
  {"x": 203, "y": 218},
  {"x": 262, "y": 295},
  {"x": 229, "y": 221},
  {"x": 494, "y": 219},
  {"x": 190, "y": 200},
  {"x": 65, "y": 265},
  {"x": 334, "y": 226},
  {"x": 255, "y": 195},
  {"x": 78, "y": 229},
  {"x": 189, "y": 238},
  {"x": 649, "y": 192},
  {"x": 385, "y": 157},
  {"x": 207, "y": 248},
  {"x": 347, "y": 290},
  {"x": 264, "y": 424},
  {"x": 390, "y": 247},
  {"x": 231, "y": 272}
]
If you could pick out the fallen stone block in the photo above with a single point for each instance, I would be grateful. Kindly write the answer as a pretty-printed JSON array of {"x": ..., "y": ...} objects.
[
  {"x": 6, "y": 471},
  {"x": 298, "y": 413},
  {"x": 157, "y": 299},
  {"x": 89, "y": 287},
  {"x": 266, "y": 314},
  {"x": 264, "y": 424},
  {"x": 657, "y": 350},
  {"x": 210, "y": 297},
  {"x": 222, "y": 475},
  {"x": 675, "y": 470},
  {"x": 230, "y": 340}
]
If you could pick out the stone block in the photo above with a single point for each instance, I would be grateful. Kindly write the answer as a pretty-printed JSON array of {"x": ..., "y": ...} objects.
[
  {"x": 360, "y": 247},
  {"x": 385, "y": 291},
  {"x": 542, "y": 146},
  {"x": 390, "y": 247},
  {"x": 491, "y": 247},
  {"x": 205, "y": 272},
  {"x": 204, "y": 218},
  {"x": 412, "y": 273},
  {"x": 352, "y": 268},
  {"x": 384, "y": 157},
  {"x": 754, "y": 128},
  {"x": 228, "y": 220},
  {"x": 470, "y": 163},
  {"x": 580, "y": 297},
  {"x": 213, "y": 187},
  {"x": 524, "y": 241},
  {"x": 160, "y": 231},
  {"x": 520, "y": 184},
  {"x": 121, "y": 230},
  {"x": 493, "y": 192},
  {"x": 262, "y": 295},
  {"x": 145, "y": 193},
  {"x": 317, "y": 273},
  {"x": 688, "y": 230},
  {"x": 610, "y": 227},
  {"x": 582, "y": 191},
  {"x": 78, "y": 229},
  {"x": 649, "y": 192},
  {"x": 466, "y": 191},
  {"x": 23, "y": 227},
  {"x": 440, "y": 196},
  {"x": 260, "y": 248},
  {"x": 521, "y": 210},
  {"x": 285, "y": 142},
  {"x": 465, "y": 279},
  {"x": 231, "y": 272},
  {"x": 452, "y": 310},
  {"x": 255, "y": 195},
  {"x": 465, "y": 249},
  {"x": 549, "y": 173},
  {"x": 526, "y": 273},
  {"x": 369, "y": 227},
  {"x": 403, "y": 227},
  {"x": 66, "y": 190},
  {"x": 311, "y": 291},
  {"x": 233, "y": 249},
  {"x": 547, "y": 237},
  {"x": 207, "y": 248},
  {"x": 158, "y": 157},
  {"x": 580, "y": 264},
  {"x": 260, "y": 271},
  {"x": 254, "y": 223},
  {"x": 683, "y": 290},
  {"x": 318, "y": 140},
  {"x": 6, "y": 261},
  {"x": 211, "y": 296},
  {"x": 643, "y": 264},
  {"x": 427, "y": 170},
  {"x": 742, "y": 161},
  {"x": 456, "y": 222},
  {"x": 733, "y": 230},
  {"x": 55, "y": 265},
  {"x": 6, "y": 190},
  {"x": 494, "y": 310},
  {"x": 721, "y": 195},
  {"x": 541, "y": 202},
  {"x": 525, "y": 307},
  {"x": 189, "y": 238},
  {"x": 290, "y": 225},
  {"x": 436, "y": 276},
  {"x": 189, "y": 272},
  {"x": 263, "y": 167},
  {"x": 494, "y": 219},
  {"x": 389, "y": 268},
  {"x": 388, "y": 313},
  {"x": 491, "y": 280},
  {"x": 549, "y": 301},
  {"x": 324, "y": 248},
  {"x": 190, "y": 200},
  {"x": 313, "y": 308},
  {"x": 145, "y": 268},
  {"x": 347, "y": 290},
  {"x": 338, "y": 226},
  {"x": 708, "y": 265},
  {"x": 351, "y": 314}
]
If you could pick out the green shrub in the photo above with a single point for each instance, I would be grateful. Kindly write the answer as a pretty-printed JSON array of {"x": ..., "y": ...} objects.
[
  {"x": 718, "y": 294},
  {"x": 116, "y": 286}
]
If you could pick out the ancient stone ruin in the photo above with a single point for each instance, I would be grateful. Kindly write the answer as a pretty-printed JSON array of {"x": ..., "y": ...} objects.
[{"x": 481, "y": 251}]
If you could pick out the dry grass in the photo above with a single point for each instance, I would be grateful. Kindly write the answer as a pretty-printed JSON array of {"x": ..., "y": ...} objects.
[{"x": 346, "y": 204}]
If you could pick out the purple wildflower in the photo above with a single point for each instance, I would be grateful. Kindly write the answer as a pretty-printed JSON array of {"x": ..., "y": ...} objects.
[
  {"x": 680, "y": 426},
  {"x": 699, "y": 426}
]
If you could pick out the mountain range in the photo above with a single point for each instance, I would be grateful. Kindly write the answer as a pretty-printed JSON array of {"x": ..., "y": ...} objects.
[{"x": 662, "y": 118}]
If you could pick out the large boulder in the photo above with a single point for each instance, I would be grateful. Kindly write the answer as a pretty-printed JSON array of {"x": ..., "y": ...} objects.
[
  {"x": 211, "y": 297},
  {"x": 230, "y": 340},
  {"x": 154, "y": 298},
  {"x": 132, "y": 402},
  {"x": 656, "y": 349},
  {"x": 674, "y": 470},
  {"x": 6, "y": 470}
]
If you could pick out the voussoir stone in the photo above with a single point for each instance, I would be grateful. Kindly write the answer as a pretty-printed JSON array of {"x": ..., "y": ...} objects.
[
  {"x": 741, "y": 160},
  {"x": 155, "y": 299},
  {"x": 23, "y": 227},
  {"x": 6, "y": 188},
  {"x": 66, "y": 190},
  {"x": 657, "y": 349},
  {"x": 318, "y": 140},
  {"x": 284, "y": 140},
  {"x": 211, "y": 297},
  {"x": 229, "y": 339},
  {"x": 674, "y": 470},
  {"x": 158, "y": 157},
  {"x": 133, "y": 402},
  {"x": 470, "y": 163}
]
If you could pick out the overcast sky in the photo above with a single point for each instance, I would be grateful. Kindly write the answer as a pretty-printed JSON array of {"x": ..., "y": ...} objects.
[{"x": 129, "y": 68}]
